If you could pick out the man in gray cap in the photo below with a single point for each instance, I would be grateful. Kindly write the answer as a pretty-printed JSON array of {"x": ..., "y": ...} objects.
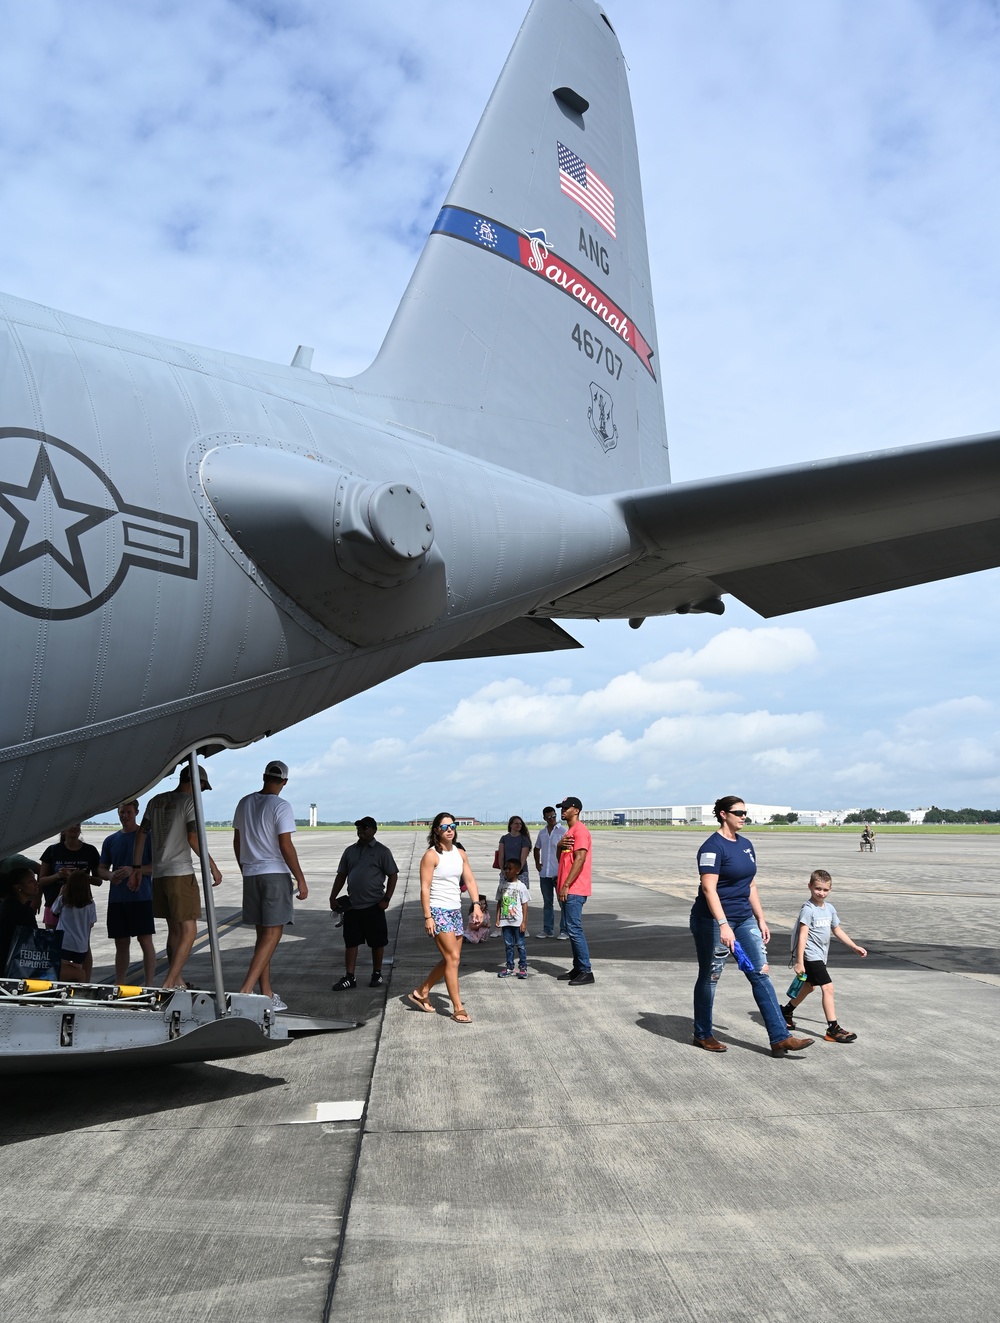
[
  {"x": 262, "y": 842},
  {"x": 170, "y": 820},
  {"x": 370, "y": 872}
]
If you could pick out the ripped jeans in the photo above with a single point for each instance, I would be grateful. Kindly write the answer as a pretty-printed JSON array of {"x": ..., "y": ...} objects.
[{"x": 712, "y": 957}]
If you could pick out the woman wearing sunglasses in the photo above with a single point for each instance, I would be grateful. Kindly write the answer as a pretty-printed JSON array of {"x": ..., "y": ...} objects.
[
  {"x": 442, "y": 870},
  {"x": 726, "y": 912}
]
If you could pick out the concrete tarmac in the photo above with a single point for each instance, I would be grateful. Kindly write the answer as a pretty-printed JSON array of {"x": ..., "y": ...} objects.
[{"x": 569, "y": 1154}]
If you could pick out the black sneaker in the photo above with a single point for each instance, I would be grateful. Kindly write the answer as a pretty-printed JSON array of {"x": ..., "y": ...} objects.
[
  {"x": 834, "y": 1034},
  {"x": 344, "y": 984},
  {"x": 376, "y": 979},
  {"x": 786, "y": 1011},
  {"x": 570, "y": 973},
  {"x": 581, "y": 978}
]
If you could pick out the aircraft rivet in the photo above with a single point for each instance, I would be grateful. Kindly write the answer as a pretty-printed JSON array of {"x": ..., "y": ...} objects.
[
  {"x": 428, "y": 527},
  {"x": 392, "y": 541}
]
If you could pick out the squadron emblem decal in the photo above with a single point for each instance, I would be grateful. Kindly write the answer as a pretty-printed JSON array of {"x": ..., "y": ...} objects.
[
  {"x": 67, "y": 539},
  {"x": 600, "y": 413}
]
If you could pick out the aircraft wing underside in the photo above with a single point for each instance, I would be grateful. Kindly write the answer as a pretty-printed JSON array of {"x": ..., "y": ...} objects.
[{"x": 789, "y": 539}]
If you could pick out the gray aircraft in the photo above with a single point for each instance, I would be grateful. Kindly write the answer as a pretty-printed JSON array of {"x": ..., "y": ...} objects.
[{"x": 198, "y": 549}]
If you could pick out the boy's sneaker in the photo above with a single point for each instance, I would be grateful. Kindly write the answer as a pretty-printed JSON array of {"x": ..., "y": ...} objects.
[
  {"x": 786, "y": 1011},
  {"x": 504, "y": 973},
  {"x": 834, "y": 1034},
  {"x": 277, "y": 1004},
  {"x": 343, "y": 984},
  {"x": 522, "y": 973},
  {"x": 376, "y": 979}
]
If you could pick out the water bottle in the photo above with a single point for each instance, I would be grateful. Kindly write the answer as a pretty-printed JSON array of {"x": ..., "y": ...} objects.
[
  {"x": 796, "y": 986},
  {"x": 742, "y": 959}
]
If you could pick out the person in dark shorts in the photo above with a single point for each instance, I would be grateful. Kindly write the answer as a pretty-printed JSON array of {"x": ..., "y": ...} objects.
[
  {"x": 817, "y": 922},
  {"x": 370, "y": 872},
  {"x": 272, "y": 875},
  {"x": 130, "y": 895}
]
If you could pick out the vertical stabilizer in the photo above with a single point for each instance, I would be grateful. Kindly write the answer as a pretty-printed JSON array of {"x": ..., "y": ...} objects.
[{"x": 526, "y": 335}]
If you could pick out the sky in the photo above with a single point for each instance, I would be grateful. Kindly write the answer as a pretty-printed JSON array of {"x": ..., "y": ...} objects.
[{"x": 821, "y": 185}]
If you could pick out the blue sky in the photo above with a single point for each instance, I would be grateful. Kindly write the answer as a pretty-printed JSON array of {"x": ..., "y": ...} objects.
[{"x": 821, "y": 186}]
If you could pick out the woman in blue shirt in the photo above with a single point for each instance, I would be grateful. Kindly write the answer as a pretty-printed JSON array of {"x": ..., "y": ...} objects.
[{"x": 727, "y": 910}]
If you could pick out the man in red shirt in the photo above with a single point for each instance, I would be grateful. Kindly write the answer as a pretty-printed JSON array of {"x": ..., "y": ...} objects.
[{"x": 573, "y": 887}]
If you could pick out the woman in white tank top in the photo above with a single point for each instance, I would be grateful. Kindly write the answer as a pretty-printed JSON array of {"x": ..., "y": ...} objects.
[{"x": 442, "y": 870}]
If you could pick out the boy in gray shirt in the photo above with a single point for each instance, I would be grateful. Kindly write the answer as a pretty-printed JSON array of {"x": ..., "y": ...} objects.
[{"x": 811, "y": 946}]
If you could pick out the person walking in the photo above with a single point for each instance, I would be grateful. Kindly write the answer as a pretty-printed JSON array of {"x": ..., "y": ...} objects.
[
  {"x": 817, "y": 921},
  {"x": 443, "y": 868},
  {"x": 370, "y": 872},
  {"x": 262, "y": 843},
  {"x": 547, "y": 865},
  {"x": 574, "y": 887},
  {"x": 727, "y": 913},
  {"x": 169, "y": 818}
]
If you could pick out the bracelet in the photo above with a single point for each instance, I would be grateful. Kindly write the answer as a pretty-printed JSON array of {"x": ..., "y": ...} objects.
[{"x": 478, "y": 902}]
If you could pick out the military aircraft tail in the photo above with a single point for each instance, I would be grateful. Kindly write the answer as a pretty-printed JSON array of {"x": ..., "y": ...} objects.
[{"x": 526, "y": 336}]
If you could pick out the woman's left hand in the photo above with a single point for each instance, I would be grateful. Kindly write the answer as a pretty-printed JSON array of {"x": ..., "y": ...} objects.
[{"x": 765, "y": 932}]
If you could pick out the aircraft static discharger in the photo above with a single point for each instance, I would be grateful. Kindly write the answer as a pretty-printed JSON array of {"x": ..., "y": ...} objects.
[{"x": 198, "y": 549}]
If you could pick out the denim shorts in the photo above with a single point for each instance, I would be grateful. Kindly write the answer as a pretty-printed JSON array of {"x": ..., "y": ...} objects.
[{"x": 448, "y": 921}]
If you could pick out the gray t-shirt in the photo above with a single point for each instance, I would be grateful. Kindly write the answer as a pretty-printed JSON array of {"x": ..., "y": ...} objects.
[
  {"x": 821, "y": 920},
  {"x": 367, "y": 866},
  {"x": 168, "y": 819}
]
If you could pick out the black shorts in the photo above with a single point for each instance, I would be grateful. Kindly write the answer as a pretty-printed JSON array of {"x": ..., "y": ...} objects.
[
  {"x": 74, "y": 957},
  {"x": 366, "y": 927},
  {"x": 130, "y": 918},
  {"x": 817, "y": 973}
]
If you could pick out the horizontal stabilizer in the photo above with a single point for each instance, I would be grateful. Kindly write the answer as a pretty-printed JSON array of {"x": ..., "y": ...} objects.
[
  {"x": 529, "y": 634},
  {"x": 793, "y": 538}
]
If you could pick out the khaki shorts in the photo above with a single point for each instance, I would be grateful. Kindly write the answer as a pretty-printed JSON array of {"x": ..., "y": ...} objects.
[{"x": 176, "y": 898}]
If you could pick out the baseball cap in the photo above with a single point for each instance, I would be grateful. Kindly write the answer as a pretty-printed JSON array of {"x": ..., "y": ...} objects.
[
  {"x": 276, "y": 771},
  {"x": 202, "y": 775},
  {"x": 366, "y": 822},
  {"x": 571, "y": 801}
]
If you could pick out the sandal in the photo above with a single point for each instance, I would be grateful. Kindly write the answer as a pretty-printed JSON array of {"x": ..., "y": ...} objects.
[
  {"x": 462, "y": 1016},
  {"x": 421, "y": 1003}
]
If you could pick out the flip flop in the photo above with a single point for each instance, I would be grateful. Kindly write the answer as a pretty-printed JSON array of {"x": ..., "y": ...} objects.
[
  {"x": 461, "y": 1017},
  {"x": 421, "y": 1003}
]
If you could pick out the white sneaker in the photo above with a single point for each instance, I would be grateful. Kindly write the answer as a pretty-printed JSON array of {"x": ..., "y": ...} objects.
[
  {"x": 564, "y": 937},
  {"x": 541, "y": 937},
  {"x": 277, "y": 1003}
]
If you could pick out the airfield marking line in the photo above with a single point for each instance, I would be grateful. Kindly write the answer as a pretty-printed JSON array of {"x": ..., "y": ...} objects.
[{"x": 352, "y": 1179}]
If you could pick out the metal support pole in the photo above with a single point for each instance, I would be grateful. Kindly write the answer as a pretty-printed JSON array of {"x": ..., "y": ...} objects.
[{"x": 206, "y": 884}]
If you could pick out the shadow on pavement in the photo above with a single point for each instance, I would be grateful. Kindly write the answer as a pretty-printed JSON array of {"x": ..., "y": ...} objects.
[{"x": 53, "y": 1104}]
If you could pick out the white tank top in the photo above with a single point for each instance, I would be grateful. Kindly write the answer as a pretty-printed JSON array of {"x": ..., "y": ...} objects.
[{"x": 445, "y": 893}]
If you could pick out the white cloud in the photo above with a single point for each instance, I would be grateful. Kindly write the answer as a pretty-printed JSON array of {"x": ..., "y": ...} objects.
[{"x": 765, "y": 651}]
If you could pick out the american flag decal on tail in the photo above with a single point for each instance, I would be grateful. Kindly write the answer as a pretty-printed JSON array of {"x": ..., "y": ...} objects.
[{"x": 578, "y": 181}]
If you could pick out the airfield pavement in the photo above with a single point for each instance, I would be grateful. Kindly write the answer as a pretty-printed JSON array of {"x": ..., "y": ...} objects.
[{"x": 568, "y": 1155}]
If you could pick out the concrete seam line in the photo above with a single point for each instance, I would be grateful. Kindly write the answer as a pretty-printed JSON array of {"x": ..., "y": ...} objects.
[{"x": 342, "y": 1237}]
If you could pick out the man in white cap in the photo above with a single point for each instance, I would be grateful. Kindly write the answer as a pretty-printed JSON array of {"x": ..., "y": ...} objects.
[
  {"x": 262, "y": 842},
  {"x": 170, "y": 820}
]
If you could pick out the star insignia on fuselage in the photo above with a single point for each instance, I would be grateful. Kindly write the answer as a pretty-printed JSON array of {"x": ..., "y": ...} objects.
[{"x": 48, "y": 523}]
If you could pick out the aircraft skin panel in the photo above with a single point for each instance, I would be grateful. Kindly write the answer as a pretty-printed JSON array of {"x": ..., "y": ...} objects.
[{"x": 542, "y": 359}]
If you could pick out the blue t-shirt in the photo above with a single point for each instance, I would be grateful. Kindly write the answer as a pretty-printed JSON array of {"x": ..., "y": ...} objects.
[
  {"x": 116, "y": 852},
  {"x": 736, "y": 866}
]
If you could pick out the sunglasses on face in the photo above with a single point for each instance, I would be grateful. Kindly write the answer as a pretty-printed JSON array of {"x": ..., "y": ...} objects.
[
  {"x": 737, "y": 813},
  {"x": 448, "y": 826}
]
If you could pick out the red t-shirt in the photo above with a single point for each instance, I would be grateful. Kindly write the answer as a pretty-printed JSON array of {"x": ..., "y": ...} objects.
[{"x": 577, "y": 838}]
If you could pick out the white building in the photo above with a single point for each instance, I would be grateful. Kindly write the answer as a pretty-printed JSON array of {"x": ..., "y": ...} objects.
[{"x": 700, "y": 815}]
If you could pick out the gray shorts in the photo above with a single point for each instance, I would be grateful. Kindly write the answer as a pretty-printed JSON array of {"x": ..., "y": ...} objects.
[{"x": 267, "y": 899}]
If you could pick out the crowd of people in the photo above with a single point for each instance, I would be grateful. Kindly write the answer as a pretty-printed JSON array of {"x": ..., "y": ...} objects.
[{"x": 149, "y": 865}]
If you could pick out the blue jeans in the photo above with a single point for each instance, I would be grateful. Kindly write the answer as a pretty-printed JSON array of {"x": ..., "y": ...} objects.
[
  {"x": 573, "y": 914},
  {"x": 548, "y": 886},
  {"x": 711, "y": 961},
  {"x": 513, "y": 940}
]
